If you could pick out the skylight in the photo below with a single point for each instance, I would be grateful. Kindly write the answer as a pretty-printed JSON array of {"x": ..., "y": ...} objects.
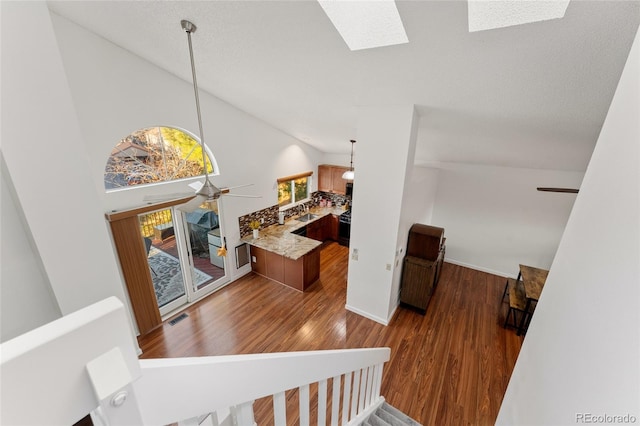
[
  {"x": 491, "y": 14},
  {"x": 366, "y": 24}
]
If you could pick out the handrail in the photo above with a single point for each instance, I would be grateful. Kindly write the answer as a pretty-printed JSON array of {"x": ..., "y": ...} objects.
[
  {"x": 226, "y": 381},
  {"x": 44, "y": 371},
  {"x": 86, "y": 362}
]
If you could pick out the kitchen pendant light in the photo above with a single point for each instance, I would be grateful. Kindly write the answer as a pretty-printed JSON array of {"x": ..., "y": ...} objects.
[{"x": 349, "y": 174}]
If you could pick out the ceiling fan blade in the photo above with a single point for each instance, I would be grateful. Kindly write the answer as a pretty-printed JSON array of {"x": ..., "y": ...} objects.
[
  {"x": 192, "y": 204},
  {"x": 167, "y": 197},
  {"x": 197, "y": 186},
  {"x": 228, "y": 194},
  {"x": 227, "y": 189},
  {"x": 565, "y": 190}
]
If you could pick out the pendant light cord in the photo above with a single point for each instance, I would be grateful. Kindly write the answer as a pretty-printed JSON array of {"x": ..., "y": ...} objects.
[{"x": 352, "y": 142}]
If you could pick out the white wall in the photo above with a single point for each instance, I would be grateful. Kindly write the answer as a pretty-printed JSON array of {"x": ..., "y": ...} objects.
[
  {"x": 47, "y": 162},
  {"x": 495, "y": 219},
  {"x": 342, "y": 159},
  {"x": 386, "y": 148},
  {"x": 116, "y": 92},
  {"x": 27, "y": 300},
  {"x": 422, "y": 190},
  {"x": 581, "y": 353},
  {"x": 410, "y": 209}
]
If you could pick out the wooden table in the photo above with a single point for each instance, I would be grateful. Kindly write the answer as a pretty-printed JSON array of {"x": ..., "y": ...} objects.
[{"x": 533, "y": 280}]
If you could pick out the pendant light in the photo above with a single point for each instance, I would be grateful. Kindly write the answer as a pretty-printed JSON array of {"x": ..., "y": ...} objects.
[{"x": 349, "y": 174}]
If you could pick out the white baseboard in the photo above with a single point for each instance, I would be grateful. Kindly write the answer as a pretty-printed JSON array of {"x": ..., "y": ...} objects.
[
  {"x": 395, "y": 308},
  {"x": 480, "y": 268},
  {"x": 366, "y": 315}
]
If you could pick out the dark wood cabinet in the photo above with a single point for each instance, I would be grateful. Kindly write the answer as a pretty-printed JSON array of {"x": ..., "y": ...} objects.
[
  {"x": 418, "y": 281},
  {"x": 315, "y": 230},
  {"x": 325, "y": 183},
  {"x": 302, "y": 272},
  {"x": 425, "y": 241},
  {"x": 322, "y": 229},
  {"x": 259, "y": 260},
  {"x": 422, "y": 265},
  {"x": 299, "y": 273},
  {"x": 330, "y": 179},
  {"x": 334, "y": 227},
  {"x": 275, "y": 266}
]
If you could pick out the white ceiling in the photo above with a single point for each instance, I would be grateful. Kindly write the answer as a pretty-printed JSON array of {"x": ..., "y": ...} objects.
[{"x": 532, "y": 95}]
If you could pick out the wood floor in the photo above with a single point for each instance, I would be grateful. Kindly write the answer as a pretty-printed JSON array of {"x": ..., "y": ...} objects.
[{"x": 448, "y": 367}]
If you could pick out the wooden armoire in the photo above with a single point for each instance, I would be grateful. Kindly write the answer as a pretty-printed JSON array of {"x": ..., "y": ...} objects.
[{"x": 422, "y": 265}]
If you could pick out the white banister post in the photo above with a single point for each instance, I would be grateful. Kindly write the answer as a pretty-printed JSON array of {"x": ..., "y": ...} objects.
[
  {"x": 111, "y": 380},
  {"x": 242, "y": 414}
]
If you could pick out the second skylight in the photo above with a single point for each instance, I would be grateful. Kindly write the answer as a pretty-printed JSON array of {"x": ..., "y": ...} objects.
[{"x": 366, "y": 24}]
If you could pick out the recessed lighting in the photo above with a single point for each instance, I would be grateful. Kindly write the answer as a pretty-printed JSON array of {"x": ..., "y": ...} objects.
[
  {"x": 366, "y": 24},
  {"x": 491, "y": 14}
]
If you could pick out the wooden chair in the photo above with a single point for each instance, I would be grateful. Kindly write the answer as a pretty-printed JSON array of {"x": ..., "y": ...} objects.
[{"x": 517, "y": 303}]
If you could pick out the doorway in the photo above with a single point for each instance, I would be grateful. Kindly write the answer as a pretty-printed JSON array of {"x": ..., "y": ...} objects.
[{"x": 183, "y": 254}]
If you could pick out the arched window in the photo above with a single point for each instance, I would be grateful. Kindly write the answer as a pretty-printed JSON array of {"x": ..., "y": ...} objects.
[{"x": 155, "y": 154}]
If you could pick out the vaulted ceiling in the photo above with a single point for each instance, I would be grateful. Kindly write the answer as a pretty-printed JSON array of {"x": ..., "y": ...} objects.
[{"x": 532, "y": 95}]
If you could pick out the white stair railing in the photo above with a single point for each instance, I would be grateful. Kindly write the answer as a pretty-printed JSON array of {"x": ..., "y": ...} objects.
[
  {"x": 176, "y": 388},
  {"x": 86, "y": 362}
]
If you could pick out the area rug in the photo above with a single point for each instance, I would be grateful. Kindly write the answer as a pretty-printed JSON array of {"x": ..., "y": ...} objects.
[{"x": 167, "y": 276}]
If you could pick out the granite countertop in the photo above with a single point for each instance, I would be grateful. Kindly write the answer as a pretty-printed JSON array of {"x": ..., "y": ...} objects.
[{"x": 280, "y": 240}]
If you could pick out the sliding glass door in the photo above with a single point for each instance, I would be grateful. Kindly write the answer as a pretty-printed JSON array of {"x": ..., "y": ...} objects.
[
  {"x": 183, "y": 254},
  {"x": 205, "y": 246}
]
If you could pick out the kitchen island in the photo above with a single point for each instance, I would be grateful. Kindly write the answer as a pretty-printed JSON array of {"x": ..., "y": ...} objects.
[{"x": 283, "y": 256}]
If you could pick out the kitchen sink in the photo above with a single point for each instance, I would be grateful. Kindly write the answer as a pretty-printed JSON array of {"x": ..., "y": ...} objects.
[{"x": 307, "y": 217}]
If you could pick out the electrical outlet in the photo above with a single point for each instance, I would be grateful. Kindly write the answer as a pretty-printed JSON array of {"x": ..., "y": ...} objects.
[
  {"x": 253, "y": 259},
  {"x": 354, "y": 254},
  {"x": 388, "y": 266}
]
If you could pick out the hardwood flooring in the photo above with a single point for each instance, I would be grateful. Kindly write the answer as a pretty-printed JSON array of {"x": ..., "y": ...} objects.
[{"x": 450, "y": 366}]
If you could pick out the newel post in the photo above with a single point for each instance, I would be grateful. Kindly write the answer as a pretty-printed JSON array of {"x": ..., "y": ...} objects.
[{"x": 112, "y": 384}]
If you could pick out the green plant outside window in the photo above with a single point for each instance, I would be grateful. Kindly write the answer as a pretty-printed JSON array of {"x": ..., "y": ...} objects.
[
  {"x": 156, "y": 154},
  {"x": 285, "y": 194},
  {"x": 293, "y": 191}
]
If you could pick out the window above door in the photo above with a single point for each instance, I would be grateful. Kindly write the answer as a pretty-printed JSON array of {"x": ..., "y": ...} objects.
[{"x": 155, "y": 154}]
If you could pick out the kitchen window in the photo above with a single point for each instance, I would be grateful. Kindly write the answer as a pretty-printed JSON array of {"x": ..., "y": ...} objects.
[{"x": 293, "y": 189}]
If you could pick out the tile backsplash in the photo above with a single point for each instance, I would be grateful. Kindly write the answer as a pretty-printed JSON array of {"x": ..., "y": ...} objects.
[{"x": 269, "y": 215}]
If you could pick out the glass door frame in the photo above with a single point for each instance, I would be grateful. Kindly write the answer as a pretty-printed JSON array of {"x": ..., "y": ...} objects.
[
  {"x": 177, "y": 218},
  {"x": 183, "y": 245}
]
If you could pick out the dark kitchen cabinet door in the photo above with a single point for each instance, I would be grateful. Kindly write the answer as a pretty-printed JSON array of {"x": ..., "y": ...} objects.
[
  {"x": 334, "y": 227},
  {"x": 314, "y": 231},
  {"x": 259, "y": 260},
  {"x": 339, "y": 185},
  {"x": 330, "y": 179},
  {"x": 324, "y": 178},
  {"x": 275, "y": 266}
]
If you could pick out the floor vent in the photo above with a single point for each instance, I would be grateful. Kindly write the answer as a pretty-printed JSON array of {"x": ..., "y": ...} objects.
[{"x": 178, "y": 319}]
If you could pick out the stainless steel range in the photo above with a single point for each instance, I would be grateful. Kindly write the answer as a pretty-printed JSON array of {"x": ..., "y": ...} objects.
[{"x": 344, "y": 230}]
